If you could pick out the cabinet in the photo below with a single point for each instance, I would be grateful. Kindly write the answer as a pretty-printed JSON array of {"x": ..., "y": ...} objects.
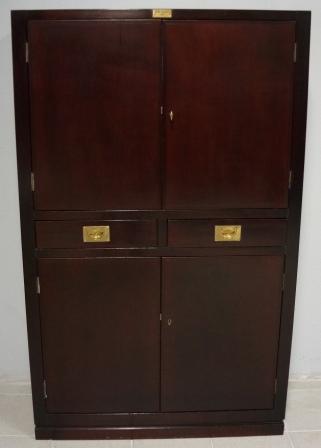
[{"x": 160, "y": 162}]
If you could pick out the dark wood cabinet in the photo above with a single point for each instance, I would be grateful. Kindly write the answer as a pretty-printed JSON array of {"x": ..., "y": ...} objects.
[{"x": 160, "y": 161}]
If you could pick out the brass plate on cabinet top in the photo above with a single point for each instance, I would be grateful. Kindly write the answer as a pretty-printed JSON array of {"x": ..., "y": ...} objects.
[
  {"x": 96, "y": 234},
  {"x": 227, "y": 233},
  {"x": 162, "y": 13}
]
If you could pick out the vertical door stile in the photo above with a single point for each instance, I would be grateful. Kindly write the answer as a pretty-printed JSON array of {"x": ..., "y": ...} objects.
[{"x": 162, "y": 139}]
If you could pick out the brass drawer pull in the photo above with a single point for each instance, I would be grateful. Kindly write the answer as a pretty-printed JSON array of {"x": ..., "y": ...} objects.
[
  {"x": 227, "y": 233},
  {"x": 96, "y": 234}
]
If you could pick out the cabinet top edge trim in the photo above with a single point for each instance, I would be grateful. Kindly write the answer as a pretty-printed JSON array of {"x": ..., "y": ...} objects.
[{"x": 177, "y": 14}]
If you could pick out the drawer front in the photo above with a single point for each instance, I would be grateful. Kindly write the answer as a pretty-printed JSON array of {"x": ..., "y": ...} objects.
[
  {"x": 84, "y": 234},
  {"x": 232, "y": 232}
]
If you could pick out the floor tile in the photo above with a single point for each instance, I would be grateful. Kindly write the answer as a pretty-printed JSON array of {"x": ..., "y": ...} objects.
[
  {"x": 91, "y": 444},
  {"x": 16, "y": 417},
  {"x": 304, "y": 384},
  {"x": 22, "y": 442},
  {"x": 306, "y": 439},
  {"x": 173, "y": 443},
  {"x": 15, "y": 388},
  {"x": 303, "y": 409},
  {"x": 253, "y": 442}
]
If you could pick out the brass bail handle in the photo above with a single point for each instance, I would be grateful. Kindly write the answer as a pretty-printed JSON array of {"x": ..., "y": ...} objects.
[
  {"x": 227, "y": 233},
  {"x": 96, "y": 234}
]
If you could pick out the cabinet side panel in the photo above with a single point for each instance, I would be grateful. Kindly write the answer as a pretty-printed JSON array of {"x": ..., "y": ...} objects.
[{"x": 19, "y": 21}]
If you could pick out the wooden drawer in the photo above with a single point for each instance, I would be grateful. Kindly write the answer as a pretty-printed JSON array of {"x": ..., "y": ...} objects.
[
  {"x": 122, "y": 233},
  {"x": 201, "y": 232}
]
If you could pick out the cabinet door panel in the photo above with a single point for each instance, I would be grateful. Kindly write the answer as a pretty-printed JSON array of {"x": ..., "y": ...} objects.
[
  {"x": 94, "y": 92},
  {"x": 220, "y": 349},
  {"x": 101, "y": 335},
  {"x": 229, "y": 85}
]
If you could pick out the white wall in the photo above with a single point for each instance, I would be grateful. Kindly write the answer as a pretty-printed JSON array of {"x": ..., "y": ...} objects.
[{"x": 306, "y": 352}]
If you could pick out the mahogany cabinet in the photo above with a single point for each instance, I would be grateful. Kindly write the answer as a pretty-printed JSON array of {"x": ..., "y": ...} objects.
[{"x": 160, "y": 162}]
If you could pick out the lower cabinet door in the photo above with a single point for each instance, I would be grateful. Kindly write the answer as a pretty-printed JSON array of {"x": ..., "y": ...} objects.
[
  {"x": 101, "y": 333},
  {"x": 220, "y": 332}
]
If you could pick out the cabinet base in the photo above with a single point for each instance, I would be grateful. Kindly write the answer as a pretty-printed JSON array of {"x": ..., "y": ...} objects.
[{"x": 250, "y": 429}]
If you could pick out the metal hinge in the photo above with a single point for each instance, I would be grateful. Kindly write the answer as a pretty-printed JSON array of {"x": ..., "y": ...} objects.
[
  {"x": 295, "y": 52},
  {"x": 160, "y": 316},
  {"x": 290, "y": 179},
  {"x": 27, "y": 52},
  {"x": 275, "y": 386},
  {"x": 45, "y": 396},
  {"x": 162, "y": 110},
  {"x": 38, "y": 285},
  {"x": 283, "y": 282},
  {"x": 32, "y": 181}
]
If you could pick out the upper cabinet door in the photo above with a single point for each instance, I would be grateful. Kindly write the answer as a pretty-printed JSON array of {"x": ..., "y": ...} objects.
[
  {"x": 95, "y": 98},
  {"x": 229, "y": 111}
]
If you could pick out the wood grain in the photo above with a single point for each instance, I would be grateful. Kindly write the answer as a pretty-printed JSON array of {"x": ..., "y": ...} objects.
[
  {"x": 220, "y": 332},
  {"x": 230, "y": 87},
  {"x": 100, "y": 333},
  {"x": 123, "y": 233},
  {"x": 200, "y": 232},
  {"x": 94, "y": 90}
]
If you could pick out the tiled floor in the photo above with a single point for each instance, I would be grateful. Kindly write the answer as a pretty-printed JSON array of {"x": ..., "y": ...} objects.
[{"x": 303, "y": 425}]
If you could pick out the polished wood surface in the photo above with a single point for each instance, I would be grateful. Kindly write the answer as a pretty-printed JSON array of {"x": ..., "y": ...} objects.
[
  {"x": 230, "y": 87},
  {"x": 71, "y": 185},
  {"x": 95, "y": 111},
  {"x": 295, "y": 204},
  {"x": 222, "y": 213},
  {"x": 69, "y": 234},
  {"x": 167, "y": 432},
  {"x": 220, "y": 332},
  {"x": 200, "y": 232},
  {"x": 101, "y": 334},
  {"x": 22, "y": 120}
]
